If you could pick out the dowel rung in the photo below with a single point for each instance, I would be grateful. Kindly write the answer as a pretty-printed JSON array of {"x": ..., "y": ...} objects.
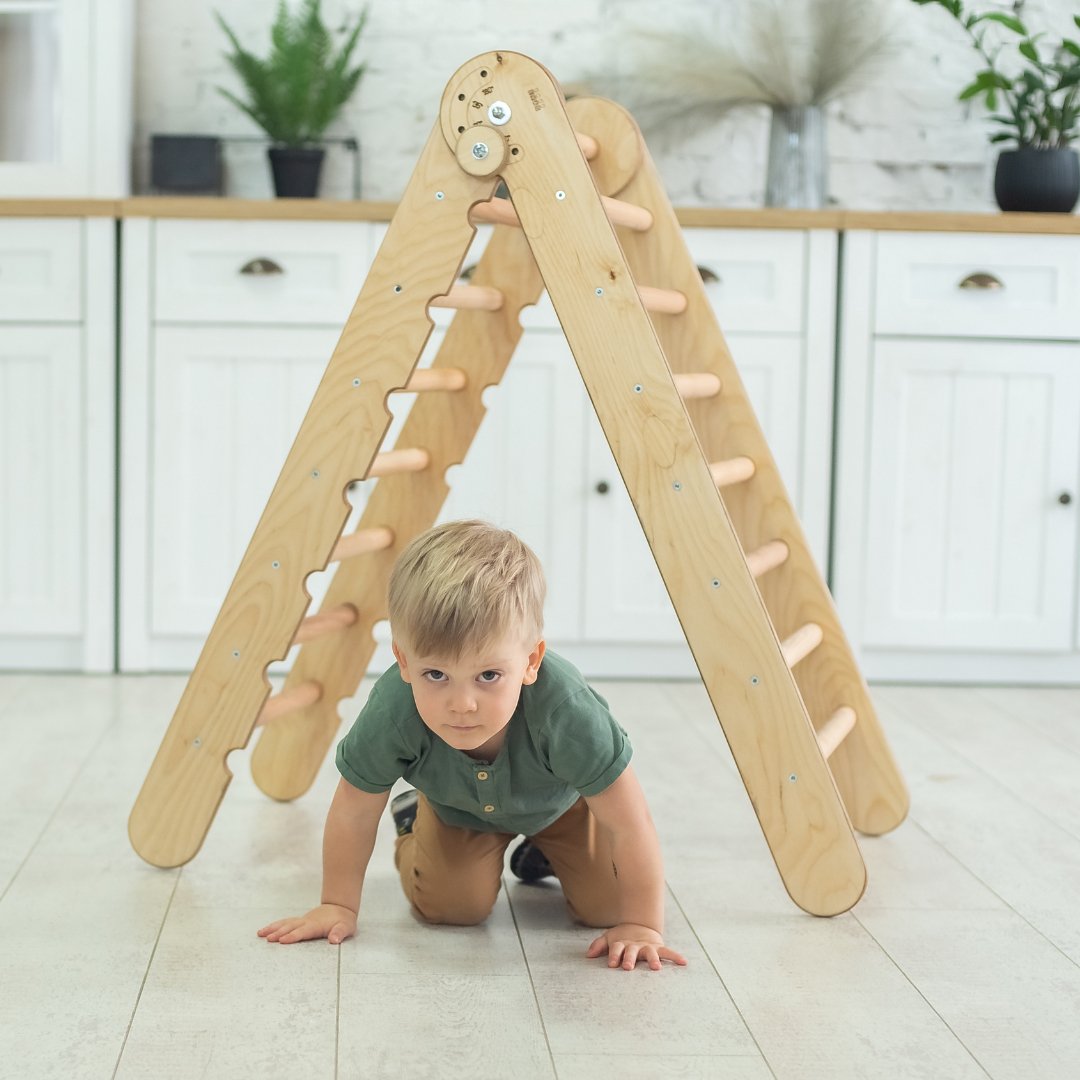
[
  {"x": 436, "y": 379},
  {"x": 666, "y": 301},
  {"x": 296, "y": 697},
  {"x": 362, "y": 542},
  {"x": 502, "y": 212},
  {"x": 472, "y": 297},
  {"x": 732, "y": 471},
  {"x": 801, "y": 644},
  {"x": 589, "y": 146},
  {"x": 767, "y": 557},
  {"x": 837, "y": 728},
  {"x": 326, "y": 622},
  {"x": 412, "y": 459},
  {"x": 697, "y": 384}
]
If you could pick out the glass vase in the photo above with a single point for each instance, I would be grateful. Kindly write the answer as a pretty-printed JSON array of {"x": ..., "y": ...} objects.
[{"x": 798, "y": 167}]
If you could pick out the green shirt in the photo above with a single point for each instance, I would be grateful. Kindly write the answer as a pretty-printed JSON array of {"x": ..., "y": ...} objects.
[{"x": 562, "y": 742}]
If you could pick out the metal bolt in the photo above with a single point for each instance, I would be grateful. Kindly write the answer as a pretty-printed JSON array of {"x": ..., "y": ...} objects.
[
  {"x": 356, "y": 382},
  {"x": 439, "y": 195},
  {"x": 560, "y": 195},
  {"x": 499, "y": 113},
  {"x": 716, "y": 583},
  {"x": 677, "y": 485},
  {"x": 236, "y": 654},
  {"x": 793, "y": 778},
  {"x": 638, "y": 388},
  {"x": 480, "y": 150},
  {"x": 314, "y": 474},
  {"x": 599, "y": 292},
  {"x": 397, "y": 288},
  {"x": 197, "y": 742},
  {"x": 276, "y": 565},
  {"x": 754, "y": 680}
]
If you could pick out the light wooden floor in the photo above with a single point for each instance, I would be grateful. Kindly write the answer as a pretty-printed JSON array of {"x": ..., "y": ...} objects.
[{"x": 962, "y": 960}]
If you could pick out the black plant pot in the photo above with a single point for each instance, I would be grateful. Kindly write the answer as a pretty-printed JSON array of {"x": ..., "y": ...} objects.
[
  {"x": 1043, "y": 181},
  {"x": 296, "y": 170}
]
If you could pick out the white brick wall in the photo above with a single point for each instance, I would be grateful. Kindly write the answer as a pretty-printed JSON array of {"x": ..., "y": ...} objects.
[{"x": 901, "y": 143}]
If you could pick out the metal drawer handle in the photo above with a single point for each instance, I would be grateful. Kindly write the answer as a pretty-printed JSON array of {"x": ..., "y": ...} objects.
[
  {"x": 710, "y": 277},
  {"x": 1065, "y": 498},
  {"x": 981, "y": 280},
  {"x": 261, "y": 267}
]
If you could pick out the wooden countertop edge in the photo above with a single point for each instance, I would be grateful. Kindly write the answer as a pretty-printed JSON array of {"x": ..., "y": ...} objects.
[{"x": 212, "y": 208}]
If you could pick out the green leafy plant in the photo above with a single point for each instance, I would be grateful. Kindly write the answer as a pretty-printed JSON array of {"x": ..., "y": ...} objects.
[
  {"x": 1040, "y": 102},
  {"x": 295, "y": 93}
]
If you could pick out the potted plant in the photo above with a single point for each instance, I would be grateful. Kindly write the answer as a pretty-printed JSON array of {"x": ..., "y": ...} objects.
[
  {"x": 795, "y": 57},
  {"x": 297, "y": 91},
  {"x": 1037, "y": 103}
]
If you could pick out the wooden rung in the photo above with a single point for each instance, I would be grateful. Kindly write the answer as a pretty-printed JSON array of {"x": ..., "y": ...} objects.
[
  {"x": 298, "y": 697},
  {"x": 326, "y": 622},
  {"x": 837, "y": 728},
  {"x": 697, "y": 384},
  {"x": 362, "y": 542},
  {"x": 801, "y": 644},
  {"x": 473, "y": 297},
  {"x": 667, "y": 301},
  {"x": 589, "y": 146},
  {"x": 733, "y": 471},
  {"x": 767, "y": 557},
  {"x": 412, "y": 459},
  {"x": 436, "y": 379},
  {"x": 502, "y": 212}
]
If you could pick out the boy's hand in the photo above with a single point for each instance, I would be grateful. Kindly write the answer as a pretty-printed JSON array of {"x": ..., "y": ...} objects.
[
  {"x": 627, "y": 943},
  {"x": 326, "y": 921}
]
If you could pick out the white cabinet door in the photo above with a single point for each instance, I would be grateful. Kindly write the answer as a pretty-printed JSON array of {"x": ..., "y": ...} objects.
[
  {"x": 524, "y": 470},
  {"x": 625, "y": 597},
  {"x": 971, "y": 540},
  {"x": 42, "y": 485},
  {"x": 226, "y": 404}
]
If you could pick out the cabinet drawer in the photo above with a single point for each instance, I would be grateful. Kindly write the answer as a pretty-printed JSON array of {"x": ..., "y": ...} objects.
[
  {"x": 754, "y": 278},
  {"x": 261, "y": 272},
  {"x": 978, "y": 286},
  {"x": 40, "y": 270}
]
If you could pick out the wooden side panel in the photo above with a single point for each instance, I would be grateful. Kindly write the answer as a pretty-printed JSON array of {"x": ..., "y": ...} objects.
[
  {"x": 866, "y": 774},
  {"x": 307, "y": 510},
  {"x": 661, "y": 461}
]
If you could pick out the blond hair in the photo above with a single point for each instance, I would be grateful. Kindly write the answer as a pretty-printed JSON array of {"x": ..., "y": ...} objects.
[{"x": 463, "y": 584}]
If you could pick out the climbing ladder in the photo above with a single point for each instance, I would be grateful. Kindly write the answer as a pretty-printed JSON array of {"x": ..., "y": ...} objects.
[{"x": 756, "y": 613}]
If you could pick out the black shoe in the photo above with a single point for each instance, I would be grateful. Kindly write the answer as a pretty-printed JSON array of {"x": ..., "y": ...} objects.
[
  {"x": 529, "y": 863},
  {"x": 403, "y": 809}
]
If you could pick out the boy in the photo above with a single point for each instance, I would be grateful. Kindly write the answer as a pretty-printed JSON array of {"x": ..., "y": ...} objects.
[{"x": 499, "y": 738}]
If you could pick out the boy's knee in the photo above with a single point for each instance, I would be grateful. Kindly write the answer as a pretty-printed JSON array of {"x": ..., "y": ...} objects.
[{"x": 467, "y": 905}]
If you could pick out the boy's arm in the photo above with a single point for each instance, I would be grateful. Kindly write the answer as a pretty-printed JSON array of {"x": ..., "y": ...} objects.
[
  {"x": 348, "y": 840},
  {"x": 623, "y": 816}
]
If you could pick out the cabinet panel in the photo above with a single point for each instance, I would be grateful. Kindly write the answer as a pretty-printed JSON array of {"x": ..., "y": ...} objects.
[
  {"x": 226, "y": 406},
  {"x": 754, "y": 279},
  {"x": 262, "y": 272},
  {"x": 1016, "y": 286},
  {"x": 625, "y": 596},
  {"x": 967, "y": 544},
  {"x": 41, "y": 481},
  {"x": 40, "y": 270}
]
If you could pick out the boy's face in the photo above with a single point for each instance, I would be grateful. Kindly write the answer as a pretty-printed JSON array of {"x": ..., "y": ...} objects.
[{"x": 468, "y": 702}]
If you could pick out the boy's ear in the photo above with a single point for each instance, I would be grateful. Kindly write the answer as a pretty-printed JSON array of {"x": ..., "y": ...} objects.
[
  {"x": 535, "y": 657},
  {"x": 403, "y": 664}
]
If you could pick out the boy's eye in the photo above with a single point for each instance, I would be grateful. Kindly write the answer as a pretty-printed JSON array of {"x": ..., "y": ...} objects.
[
  {"x": 489, "y": 676},
  {"x": 434, "y": 676}
]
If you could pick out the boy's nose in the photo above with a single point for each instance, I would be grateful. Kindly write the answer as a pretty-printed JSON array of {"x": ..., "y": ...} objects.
[{"x": 463, "y": 703}]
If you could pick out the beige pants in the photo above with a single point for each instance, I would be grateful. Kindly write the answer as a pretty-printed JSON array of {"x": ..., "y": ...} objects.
[{"x": 453, "y": 875}]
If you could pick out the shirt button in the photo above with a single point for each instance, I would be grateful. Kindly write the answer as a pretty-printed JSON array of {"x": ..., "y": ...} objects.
[
  {"x": 481, "y": 775},
  {"x": 489, "y": 809}
]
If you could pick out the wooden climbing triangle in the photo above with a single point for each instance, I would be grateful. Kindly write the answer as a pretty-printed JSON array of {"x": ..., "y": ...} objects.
[{"x": 586, "y": 218}]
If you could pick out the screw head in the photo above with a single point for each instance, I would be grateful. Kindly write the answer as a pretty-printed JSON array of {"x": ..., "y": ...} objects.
[
  {"x": 638, "y": 388},
  {"x": 276, "y": 565},
  {"x": 599, "y": 292},
  {"x": 397, "y": 288},
  {"x": 440, "y": 195},
  {"x": 499, "y": 113},
  {"x": 480, "y": 150},
  {"x": 716, "y": 583},
  {"x": 677, "y": 485},
  {"x": 560, "y": 195},
  {"x": 793, "y": 778},
  {"x": 754, "y": 680}
]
